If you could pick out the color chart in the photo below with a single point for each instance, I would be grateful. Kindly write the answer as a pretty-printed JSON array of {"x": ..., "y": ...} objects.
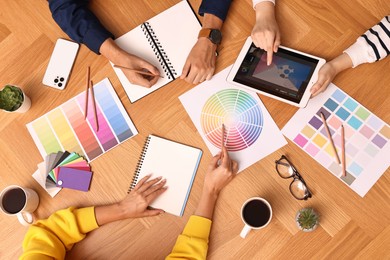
[
  {"x": 64, "y": 128},
  {"x": 250, "y": 132},
  {"x": 241, "y": 115},
  {"x": 367, "y": 137}
]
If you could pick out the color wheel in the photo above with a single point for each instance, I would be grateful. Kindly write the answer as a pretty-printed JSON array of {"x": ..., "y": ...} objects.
[{"x": 239, "y": 112}]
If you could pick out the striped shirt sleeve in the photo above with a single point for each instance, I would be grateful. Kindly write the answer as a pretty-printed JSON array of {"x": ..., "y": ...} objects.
[{"x": 373, "y": 45}]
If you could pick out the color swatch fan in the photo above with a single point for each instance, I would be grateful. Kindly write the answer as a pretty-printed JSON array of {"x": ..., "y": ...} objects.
[{"x": 63, "y": 170}]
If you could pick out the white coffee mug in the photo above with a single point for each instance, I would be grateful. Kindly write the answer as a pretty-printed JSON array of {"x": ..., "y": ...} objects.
[
  {"x": 256, "y": 213},
  {"x": 22, "y": 202}
]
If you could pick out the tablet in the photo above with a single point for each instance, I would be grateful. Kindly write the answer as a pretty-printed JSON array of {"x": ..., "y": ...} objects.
[{"x": 289, "y": 77}]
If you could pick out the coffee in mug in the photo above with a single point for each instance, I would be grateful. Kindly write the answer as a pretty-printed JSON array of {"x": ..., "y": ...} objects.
[
  {"x": 22, "y": 202},
  {"x": 256, "y": 213}
]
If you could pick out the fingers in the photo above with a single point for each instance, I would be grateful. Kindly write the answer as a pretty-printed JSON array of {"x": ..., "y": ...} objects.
[
  {"x": 152, "y": 69},
  {"x": 277, "y": 42},
  {"x": 154, "y": 188},
  {"x": 197, "y": 74},
  {"x": 186, "y": 69},
  {"x": 147, "y": 184},
  {"x": 319, "y": 88},
  {"x": 234, "y": 167},
  {"x": 141, "y": 182},
  {"x": 144, "y": 81},
  {"x": 152, "y": 196},
  {"x": 269, "y": 56},
  {"x": 152, "y": 212},
  {"x": 321, "y": 84},
  {"x": 226, "y": 161}
]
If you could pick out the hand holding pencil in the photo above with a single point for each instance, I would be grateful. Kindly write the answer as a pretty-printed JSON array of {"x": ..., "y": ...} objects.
[{"x": 139, "y": 71}]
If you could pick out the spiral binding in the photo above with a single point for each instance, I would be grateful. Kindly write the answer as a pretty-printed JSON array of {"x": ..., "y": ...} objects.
[
  {"x": 158, "y": 50},
  {"x": 139, "y": 165}
]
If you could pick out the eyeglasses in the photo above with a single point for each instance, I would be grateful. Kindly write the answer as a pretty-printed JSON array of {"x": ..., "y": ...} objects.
[{"x": 298, "y": 187}]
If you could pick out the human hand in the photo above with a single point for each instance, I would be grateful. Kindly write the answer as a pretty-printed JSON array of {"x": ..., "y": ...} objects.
[
  {"x": 329, "y": 71},
  {"x": 200, "y": 63},
  {"x": 118, "y": 56},
  {"x": 265, "y": 33},
  {"x": 325, "y": 76},
  {"x": 221, "y": 170},
  {"x": 135, "y": 63},
  {"x": 136, "y": 203}
]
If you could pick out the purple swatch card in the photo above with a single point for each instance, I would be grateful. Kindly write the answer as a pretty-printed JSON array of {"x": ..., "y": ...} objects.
[{"x": 74, "y": 179}]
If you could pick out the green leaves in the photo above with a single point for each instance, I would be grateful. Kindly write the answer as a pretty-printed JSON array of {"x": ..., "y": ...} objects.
[
  {"x": 307, "y": 218},
  {"x": 11, "y": 98}
]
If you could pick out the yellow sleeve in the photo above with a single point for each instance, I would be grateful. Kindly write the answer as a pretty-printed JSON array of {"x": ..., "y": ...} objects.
[
  {"x": 193, "y": 242},
  {"x": 52, "y": 237}
]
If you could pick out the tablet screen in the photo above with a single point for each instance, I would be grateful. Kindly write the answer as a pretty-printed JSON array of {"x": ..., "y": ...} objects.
[{"x": 287, "y": 77}]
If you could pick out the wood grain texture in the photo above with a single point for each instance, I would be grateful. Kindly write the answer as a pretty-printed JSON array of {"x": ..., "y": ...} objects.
[{"x": 351, "y": 226}]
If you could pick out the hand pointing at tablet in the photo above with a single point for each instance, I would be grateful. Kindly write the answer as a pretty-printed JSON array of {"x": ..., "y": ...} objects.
[{"x": 265, "y": 33}]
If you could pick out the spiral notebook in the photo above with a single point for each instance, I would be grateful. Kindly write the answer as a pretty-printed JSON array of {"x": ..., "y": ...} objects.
[
  {"x": 175, "y": 162},
  {"x": 165, "y": 41}
]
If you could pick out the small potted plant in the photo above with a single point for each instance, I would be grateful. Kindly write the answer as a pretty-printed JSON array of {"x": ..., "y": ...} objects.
[
  {"x": 12, "y": 98},
  {"x": 307, "y": 219}
]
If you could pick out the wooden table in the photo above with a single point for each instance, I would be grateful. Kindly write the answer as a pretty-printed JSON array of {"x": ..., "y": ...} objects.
[{"x": 351, "y": 226}]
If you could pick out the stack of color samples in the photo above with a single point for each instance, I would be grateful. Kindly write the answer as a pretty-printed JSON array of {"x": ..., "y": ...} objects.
[{"x": 63, "y": 170}]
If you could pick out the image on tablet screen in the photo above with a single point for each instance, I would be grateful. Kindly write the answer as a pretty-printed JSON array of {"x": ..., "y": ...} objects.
[
  {"x": 288, "y": 75},
  {"x": 282, "y": 72}
]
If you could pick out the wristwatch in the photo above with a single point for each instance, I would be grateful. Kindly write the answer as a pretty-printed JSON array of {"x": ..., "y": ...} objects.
[{"x": 214, "y": 35}]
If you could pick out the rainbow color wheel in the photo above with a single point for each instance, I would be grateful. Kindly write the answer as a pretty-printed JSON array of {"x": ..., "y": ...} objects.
[{"x": 241, "y": 115}]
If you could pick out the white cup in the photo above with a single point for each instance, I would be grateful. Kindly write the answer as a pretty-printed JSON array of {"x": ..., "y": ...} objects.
[
  {"x": 22, "y": 202},
  {"x": 256, "y": 213}
]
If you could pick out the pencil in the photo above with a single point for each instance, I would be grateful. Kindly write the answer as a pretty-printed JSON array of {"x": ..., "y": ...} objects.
[
  {"x": 94, "y": 107},
  {"x": 222, "y": 143},
  {"x": 330, "y": 138},
  {"x": 87, "y": 94},
  {"x": 138, "y": 71},
  {"x": 223, "y": 136},
  {"x": 343, "y": 151}
]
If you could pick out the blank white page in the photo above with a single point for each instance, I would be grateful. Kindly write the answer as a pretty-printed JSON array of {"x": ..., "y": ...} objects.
[
  {"x": 177, "y": 29},
  {"x": 175, "y": 162}
]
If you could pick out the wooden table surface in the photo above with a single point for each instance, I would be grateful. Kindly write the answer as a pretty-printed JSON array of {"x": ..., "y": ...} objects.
[{"x": 350, "y": 226}]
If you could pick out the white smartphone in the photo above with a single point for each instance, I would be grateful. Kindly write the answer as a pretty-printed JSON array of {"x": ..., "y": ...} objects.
[
  {"x": 289, "y": 78},
  {"x": 60, "y": 64}
]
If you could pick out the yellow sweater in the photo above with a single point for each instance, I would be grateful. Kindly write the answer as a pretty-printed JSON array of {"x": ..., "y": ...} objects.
[{"x": 52, "y": 237}]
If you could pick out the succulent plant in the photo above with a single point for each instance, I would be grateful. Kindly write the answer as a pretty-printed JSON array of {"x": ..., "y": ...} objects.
[
  {"x": 11, "y": 98},
  {"x": 307, "y": 219}
]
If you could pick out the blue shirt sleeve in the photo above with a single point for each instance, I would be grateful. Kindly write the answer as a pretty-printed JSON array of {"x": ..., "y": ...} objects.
[
  {"x": 218, "y": 8},
  {"x": 79, "y": 23}
]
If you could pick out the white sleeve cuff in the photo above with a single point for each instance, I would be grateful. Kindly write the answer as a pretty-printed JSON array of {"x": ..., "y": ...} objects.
[
  {"x": 360, "y": 52},
  {"x": 255, "y": 2}
]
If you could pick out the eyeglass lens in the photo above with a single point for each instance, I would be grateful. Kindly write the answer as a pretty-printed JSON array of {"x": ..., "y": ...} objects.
[
  {"x": 284, "y": 168},
  {"x": 298, "y": 189}
]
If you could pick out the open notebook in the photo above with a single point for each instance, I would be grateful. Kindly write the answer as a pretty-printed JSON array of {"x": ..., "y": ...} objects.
[
  {"x": 175, "y": 162},
  {"x": 165, "y": 41}
]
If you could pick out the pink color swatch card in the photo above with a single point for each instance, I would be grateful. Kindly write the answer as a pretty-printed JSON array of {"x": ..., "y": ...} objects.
[{"x": 367, "y": 137}]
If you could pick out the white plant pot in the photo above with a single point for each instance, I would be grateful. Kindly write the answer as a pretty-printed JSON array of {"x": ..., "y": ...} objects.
[{"x": 25, "y": 105}]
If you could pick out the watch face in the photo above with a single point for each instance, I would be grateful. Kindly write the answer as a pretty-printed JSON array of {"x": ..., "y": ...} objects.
[{"x": 216, "y": 36}]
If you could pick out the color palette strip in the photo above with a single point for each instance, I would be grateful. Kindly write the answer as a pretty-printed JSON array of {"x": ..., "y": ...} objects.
[
  {"x": 367, "y": 137},
  {"x": 239, "y": 112},
  {"x": 64, "y": 128}
]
